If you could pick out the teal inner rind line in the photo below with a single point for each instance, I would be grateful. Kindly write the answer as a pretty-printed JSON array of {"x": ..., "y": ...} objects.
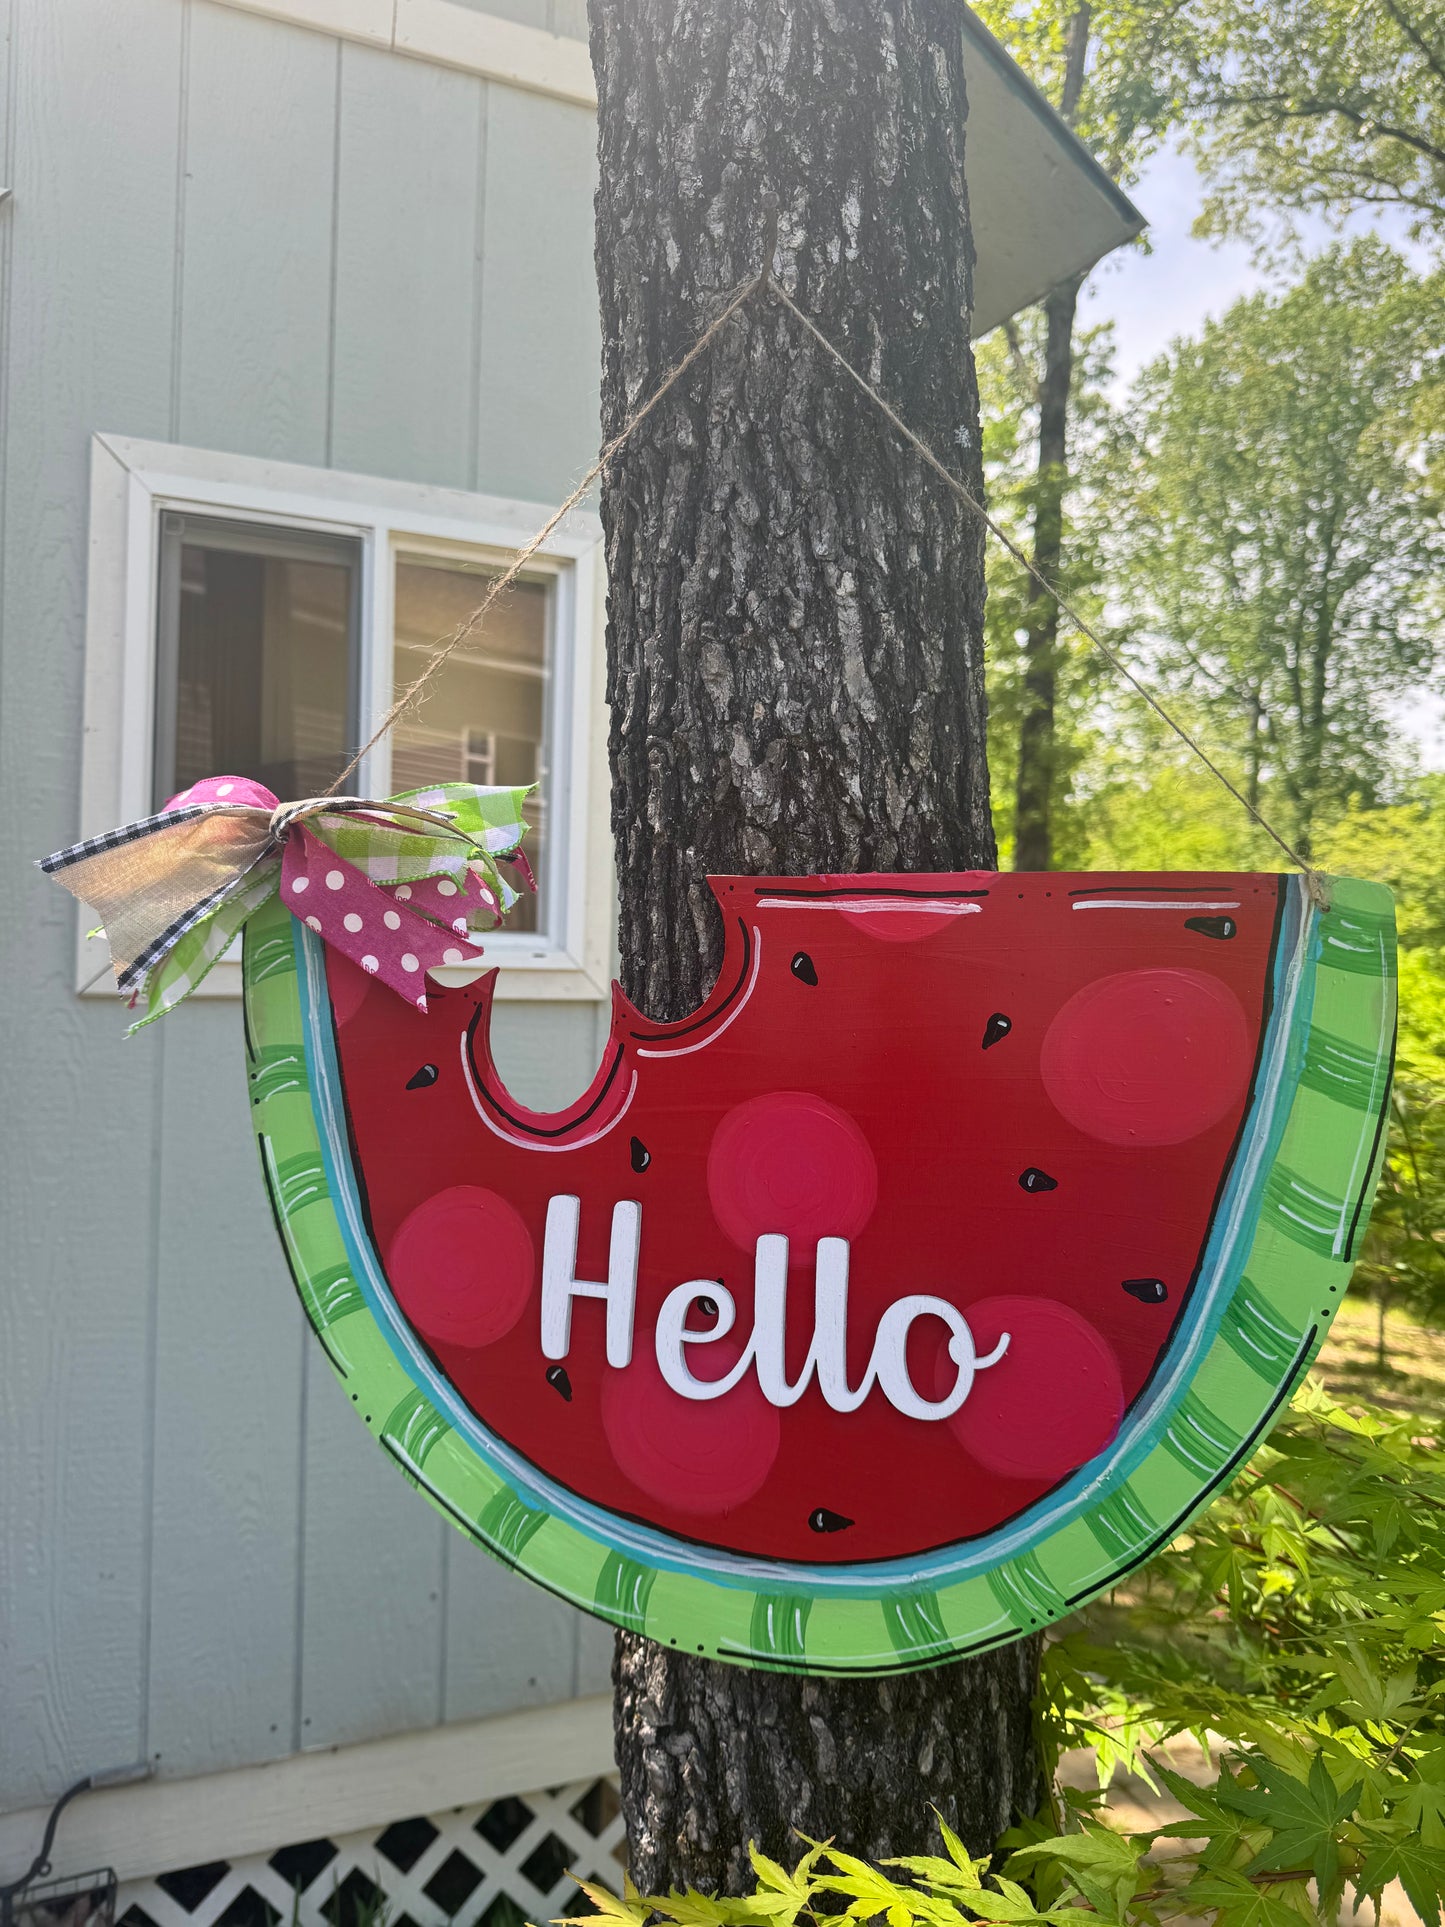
[{"x": 1281, "y": 1067}]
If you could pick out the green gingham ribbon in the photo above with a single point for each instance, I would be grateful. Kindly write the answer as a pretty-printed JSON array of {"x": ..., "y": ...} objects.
[{"x": 175, "y": 889}]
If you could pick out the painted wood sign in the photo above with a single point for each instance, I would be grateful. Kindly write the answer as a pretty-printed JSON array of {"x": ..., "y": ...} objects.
[{"x": 924, "y": 1281}]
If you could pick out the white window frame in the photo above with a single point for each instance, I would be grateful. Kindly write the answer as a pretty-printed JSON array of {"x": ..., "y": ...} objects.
[{"x": 134, "y": 482}]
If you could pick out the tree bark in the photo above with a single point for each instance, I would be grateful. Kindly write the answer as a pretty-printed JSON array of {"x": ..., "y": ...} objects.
[
  {"x": 713, "y": 1757},
  {"x": 795, "y": 680}
]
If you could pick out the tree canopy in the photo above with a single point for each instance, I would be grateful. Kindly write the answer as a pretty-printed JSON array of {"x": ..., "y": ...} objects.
[
  {"x": 1322, "y": 106},
  {"x": 1278, "y": 541}
]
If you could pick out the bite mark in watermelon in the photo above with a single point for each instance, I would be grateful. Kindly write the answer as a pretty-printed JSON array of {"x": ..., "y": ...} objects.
[{"x": 1125, "y": 1129}]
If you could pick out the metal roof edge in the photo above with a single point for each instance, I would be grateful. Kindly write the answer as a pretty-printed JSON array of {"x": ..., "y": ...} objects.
[{"x": 994, "y": 51}]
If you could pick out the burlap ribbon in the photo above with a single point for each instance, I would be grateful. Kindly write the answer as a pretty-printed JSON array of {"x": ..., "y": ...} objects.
[{"x": 397, "y": 886}]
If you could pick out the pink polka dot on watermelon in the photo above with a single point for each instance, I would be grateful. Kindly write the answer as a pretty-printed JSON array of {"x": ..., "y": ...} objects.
[
  {"x": 792, "y": 1163},
  {"x": 1051, "y": 1402},
  {"x": 701, "y": 1456},
  {"x": 346, "y": 983},
  {"x": 1147, "y": 1057},
  {"x": 462, "y": 1266}
]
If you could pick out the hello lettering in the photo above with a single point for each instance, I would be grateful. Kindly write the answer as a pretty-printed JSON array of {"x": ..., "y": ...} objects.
[{"x": 827, "y": 1357}]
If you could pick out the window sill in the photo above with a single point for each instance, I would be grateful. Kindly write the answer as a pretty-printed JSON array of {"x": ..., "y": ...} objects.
[
  {"x": 133, "y": 482},
  {"x": 535, "y": 976}
]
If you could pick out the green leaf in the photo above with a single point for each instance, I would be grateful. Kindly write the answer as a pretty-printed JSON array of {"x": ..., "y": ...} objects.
[
  {"x": 787, "y": 1894},
  {"x": 629, "y": 1911},
  {"x": 1103, "y": 1865},
  {"x": 1303, "y": 1817},
  {"x": 1421, "y": 1807},
  {"x": 1419, "y": 1869},
  {"x": 1235, "y": 1901}
]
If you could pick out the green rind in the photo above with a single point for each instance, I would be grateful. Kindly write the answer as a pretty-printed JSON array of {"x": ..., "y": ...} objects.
[{"x": 1292, "y": 1282}]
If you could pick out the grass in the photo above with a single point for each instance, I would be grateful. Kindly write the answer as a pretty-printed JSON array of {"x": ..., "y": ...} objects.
[{"x": 1414, "y": 1376}]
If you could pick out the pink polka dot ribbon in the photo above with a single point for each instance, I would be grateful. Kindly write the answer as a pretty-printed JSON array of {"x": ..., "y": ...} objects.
[
  {"x": 397, "y": 886},
  {"x": 397, "y": 932}
]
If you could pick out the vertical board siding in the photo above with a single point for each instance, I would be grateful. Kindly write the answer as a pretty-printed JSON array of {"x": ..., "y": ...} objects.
[
  {"x": 507, "y": 1643},
  {"x": 244, "y": 236},
  {"x": 371, "y": 1602},
  {"x": 256, "y": 237},
  {"x": 541, "y": 339},
  {"x": 87, "y": 339},
  {"x": 226, "y": 1478},
  {"x": 409, "y": 170}
]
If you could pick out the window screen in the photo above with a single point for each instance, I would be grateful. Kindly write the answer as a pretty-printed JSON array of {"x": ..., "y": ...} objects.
[
  {"x": 484, "y": 718},
  {"x": 257, "y": 655}
]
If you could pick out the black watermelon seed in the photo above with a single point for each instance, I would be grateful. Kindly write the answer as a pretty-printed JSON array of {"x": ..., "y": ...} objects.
[
  {"x": 804, "y": 969},
  {"x": 1149, "y": 1291},
  {"x": 996, "y": 1029},
  {"x": 1036, "y": 1180},
  {"x": 825, "y": 1521},
  {"x": 557, "y": 1378},
  {"x": 428, "y": 1074},
  {"x": 641, "y": 1156},
  {"x": 1218, "y": 927}
]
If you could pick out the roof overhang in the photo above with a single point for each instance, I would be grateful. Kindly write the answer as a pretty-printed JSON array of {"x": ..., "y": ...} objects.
[{"x": 1042, "y": 207}]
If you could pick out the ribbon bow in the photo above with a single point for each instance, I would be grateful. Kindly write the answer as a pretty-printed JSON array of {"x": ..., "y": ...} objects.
[{"x": 396, "y": 886}]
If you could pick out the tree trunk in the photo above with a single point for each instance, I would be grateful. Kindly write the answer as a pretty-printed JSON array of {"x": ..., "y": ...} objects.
[
  {"x": 1033, "y": 809},
  {"x": 1038, "y": 751},
  {"x": 795, "y": 679}
]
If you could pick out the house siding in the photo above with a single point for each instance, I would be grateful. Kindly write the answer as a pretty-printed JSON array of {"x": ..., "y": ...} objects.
[{"x": 235, "y": 234}]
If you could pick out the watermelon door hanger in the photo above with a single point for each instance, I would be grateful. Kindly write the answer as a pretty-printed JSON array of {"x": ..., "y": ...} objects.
[{"x": 925, "y": 1280}]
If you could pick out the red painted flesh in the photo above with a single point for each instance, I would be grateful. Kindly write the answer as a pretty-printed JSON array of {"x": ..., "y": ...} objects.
[{"x": 862, "y": 1106}]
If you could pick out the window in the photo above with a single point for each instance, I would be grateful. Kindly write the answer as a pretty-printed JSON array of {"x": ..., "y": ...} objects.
[
  {"x": 258, "y": 618},
  {"x": 257, "y": 655},
  {"x": 484, "y": 719}
]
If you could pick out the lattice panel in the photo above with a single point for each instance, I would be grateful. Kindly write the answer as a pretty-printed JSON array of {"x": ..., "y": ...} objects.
[{"x": 497, "y": 1865}]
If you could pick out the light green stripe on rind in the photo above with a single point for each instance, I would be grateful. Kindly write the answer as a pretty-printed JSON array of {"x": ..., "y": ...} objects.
[
  {"x": 1345, "y": 1072},
  {"x": 1293, "y": 1277},
  {"x": 622, "y": 1592},
  {"x": 1123, "y": 1526},
  {"x": 1254, "y": 1331},
  {"x": 1026, "y": 1592},
  {"x": 507, "y": 1523},
  {"x": 916, "y": 1626}
]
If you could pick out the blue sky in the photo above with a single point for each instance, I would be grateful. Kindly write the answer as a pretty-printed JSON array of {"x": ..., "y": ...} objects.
[{"x": 1170, "y": 291}]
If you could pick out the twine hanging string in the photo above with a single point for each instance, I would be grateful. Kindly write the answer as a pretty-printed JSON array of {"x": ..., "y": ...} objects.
[
  {"x": 412, "y": 694},
  {"x": 1313, "y": 880},
  {"x": 763, "y": 283}
]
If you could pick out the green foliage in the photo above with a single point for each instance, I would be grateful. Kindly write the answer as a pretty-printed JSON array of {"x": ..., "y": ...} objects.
[
  {"x": 1008, "y": 392},
  {"x": 1300, "y": 1625},
  {"x": 1135, "y": 69},
  {"x": 1299, "y": 1630},
  {"x": 1107, "y": 67},
  {"x": 1322, "y": 106}
]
